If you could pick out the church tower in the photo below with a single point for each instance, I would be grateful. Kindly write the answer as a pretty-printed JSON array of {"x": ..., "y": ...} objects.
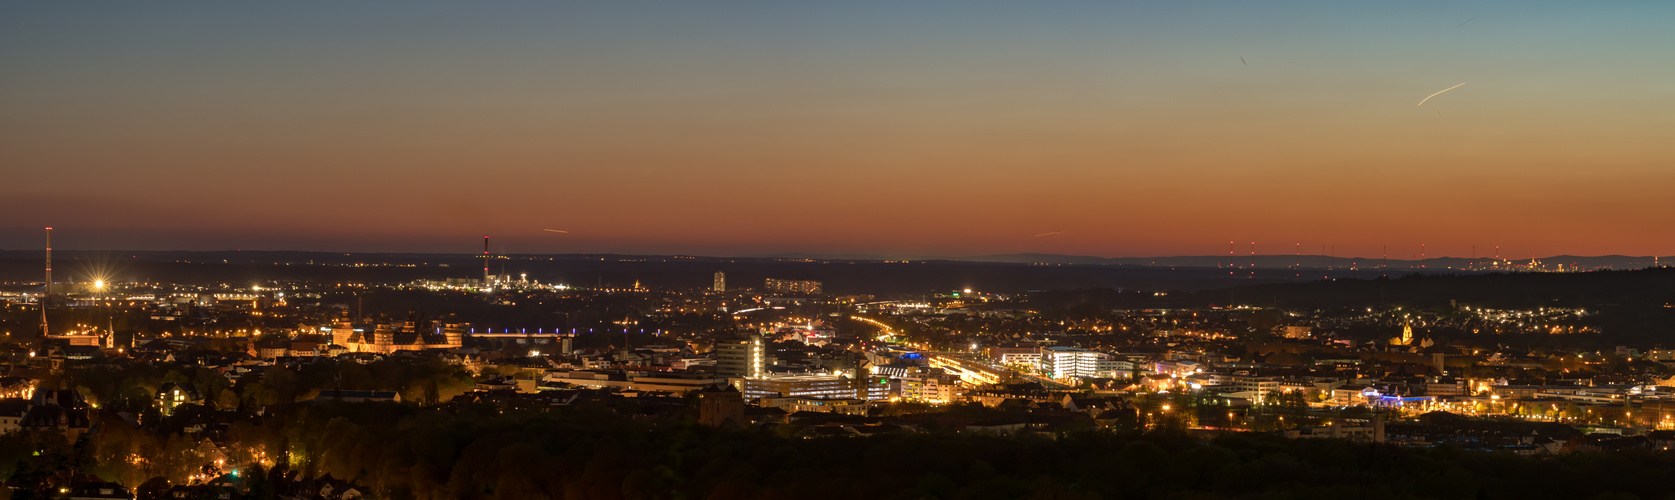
[
  {"x": 383, "y": 338},
  {"x": 343, "y": 330},
  {"x": 454, "y": 331}
]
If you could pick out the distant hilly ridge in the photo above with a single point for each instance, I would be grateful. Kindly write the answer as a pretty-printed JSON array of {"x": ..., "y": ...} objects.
[
  {"x": 841, "y": 276},
  {"x": 1620, "y": 262},
  {"x": 1273, "y": 261}
]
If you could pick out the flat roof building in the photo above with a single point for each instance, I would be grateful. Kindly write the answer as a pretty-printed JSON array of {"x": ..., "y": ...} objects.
[
  {"x": 814, "y": 386},
  {"x": 1068, "y": 362},
  {"x": 801, "y": 287}
]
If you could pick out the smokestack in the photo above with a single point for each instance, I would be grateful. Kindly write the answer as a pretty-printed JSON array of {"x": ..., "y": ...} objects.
[
  {"x": 46, "y": 297},
  {"x": 485, "y": 260}
]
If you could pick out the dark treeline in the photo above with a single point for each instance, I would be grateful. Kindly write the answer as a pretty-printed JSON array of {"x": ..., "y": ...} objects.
[{"x": 477, "y": 452}]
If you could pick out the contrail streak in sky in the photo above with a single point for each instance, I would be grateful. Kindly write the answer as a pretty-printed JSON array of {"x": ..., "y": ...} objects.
[
  {"x": 1047, "y": 234},
  {"x": 1427, "y": 98},
  {"x": 555, "y": 231}
]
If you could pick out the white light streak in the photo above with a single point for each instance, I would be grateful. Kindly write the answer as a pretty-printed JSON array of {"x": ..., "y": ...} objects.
[{"x": 1427, "y": 98}]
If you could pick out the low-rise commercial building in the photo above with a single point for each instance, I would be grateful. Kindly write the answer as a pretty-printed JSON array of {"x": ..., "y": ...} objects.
[{"x": 813, "y": 386}]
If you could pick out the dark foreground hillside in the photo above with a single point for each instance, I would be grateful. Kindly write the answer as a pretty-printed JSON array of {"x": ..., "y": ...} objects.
[{"x": 479, "y": 453}]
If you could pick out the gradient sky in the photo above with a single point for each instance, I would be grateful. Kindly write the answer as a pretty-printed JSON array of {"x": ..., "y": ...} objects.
[{"x": 740, "y": 128}]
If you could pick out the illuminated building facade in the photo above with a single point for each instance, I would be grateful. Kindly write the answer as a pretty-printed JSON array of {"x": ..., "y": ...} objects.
[
  {"x": 844, "y": 406},
  {"x": 1068, "y": 362},
  {"x": 1657, "y": 413},
  {"x": 720, "y": 282},
  {"x": 741, "y": 358},
  {"x": 803, "y": 287},
  {"x": 16, "y": 387},
  {"x": 1030, "y": 357},
  {"x": 1115, "y": 368},
  {"x": 928, "y": 387},
  {"x": 411, "y": 335},
  {"x": 172, "y": 395},
  {"x": 812, "y": 386}
]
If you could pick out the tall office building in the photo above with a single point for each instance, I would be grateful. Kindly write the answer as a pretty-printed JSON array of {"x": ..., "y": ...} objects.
[
  {"x": 720, "y": 281},
  {"x": 741, "y": 358}
]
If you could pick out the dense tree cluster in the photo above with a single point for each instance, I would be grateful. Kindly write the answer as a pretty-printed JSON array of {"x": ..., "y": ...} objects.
[{"x": 133, "y": 387}]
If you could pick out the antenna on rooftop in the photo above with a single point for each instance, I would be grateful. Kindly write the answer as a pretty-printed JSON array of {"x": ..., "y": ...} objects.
[{"x": 47, "y": 295}]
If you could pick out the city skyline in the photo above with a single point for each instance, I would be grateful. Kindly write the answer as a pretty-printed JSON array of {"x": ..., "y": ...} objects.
[{"x": 867, "y": 128}]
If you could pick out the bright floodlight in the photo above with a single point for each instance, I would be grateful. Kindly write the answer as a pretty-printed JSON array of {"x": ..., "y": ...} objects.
[{"x": 100, "y": 284}]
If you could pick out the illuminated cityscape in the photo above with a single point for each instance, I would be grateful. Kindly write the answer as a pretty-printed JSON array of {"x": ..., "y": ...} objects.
[
  {"x": 803, "y": 250},
  {"x": 1476, "y": 371}
]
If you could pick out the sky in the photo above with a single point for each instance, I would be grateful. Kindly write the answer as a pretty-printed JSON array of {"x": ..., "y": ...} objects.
[{"x": 873, "y": 127}]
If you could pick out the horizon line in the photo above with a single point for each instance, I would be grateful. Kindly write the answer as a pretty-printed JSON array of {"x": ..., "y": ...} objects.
[{"x": 863, "y": 256}]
